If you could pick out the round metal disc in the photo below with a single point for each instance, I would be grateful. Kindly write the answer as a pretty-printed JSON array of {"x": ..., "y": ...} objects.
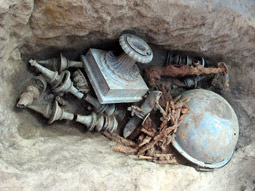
[{"x": 136, "y": 48}]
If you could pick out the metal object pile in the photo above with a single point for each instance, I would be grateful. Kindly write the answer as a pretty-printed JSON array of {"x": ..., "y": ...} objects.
[{"x": 119, "y": 100}]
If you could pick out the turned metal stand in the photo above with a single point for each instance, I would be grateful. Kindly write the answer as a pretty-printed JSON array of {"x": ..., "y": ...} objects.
[{"x": 117, "y": 79}]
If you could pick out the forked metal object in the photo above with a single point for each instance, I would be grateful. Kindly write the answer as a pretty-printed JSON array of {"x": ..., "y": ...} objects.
[
  {"x": 148, "y": 105},
  {"x": 98, "y": 122},
  {"x": 117, "y": 79},
  {"x": 61, "y": 63}
]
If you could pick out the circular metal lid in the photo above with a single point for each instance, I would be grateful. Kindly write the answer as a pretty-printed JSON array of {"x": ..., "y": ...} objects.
[{"x": 136, "y": 48}]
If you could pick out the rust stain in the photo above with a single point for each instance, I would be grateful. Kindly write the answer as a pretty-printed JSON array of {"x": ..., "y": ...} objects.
[
  {"x": 197, "y": 119},
  {"x": 182, "y": 134},
  {"x": 186, "y": 125}
]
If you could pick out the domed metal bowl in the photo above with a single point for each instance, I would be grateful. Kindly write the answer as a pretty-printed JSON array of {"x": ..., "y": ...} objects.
[{"x": 208, "y": 134}]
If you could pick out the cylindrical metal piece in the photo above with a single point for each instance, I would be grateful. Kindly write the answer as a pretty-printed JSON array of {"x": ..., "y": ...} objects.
[
  {"x": 59, "y": 113},
  {"x": 52, "y": 77},
  {"x": 99, "y": 108},
  {"x": 60, "y": 64},
  {"x": 191, "y": 82},
  {"x": 98, "y": 122},
  {"x": 36, "y": 86},
  {"x": 176, "y": 59},
  {"x": 123, "y": 66},
  {"x": 50, "y": 63},
  {"x": 42, "y": 109},
  {"x": 135, "y": 50},
  {"x": 64, "y": 63},
  {"x": 28, "y": 96}
]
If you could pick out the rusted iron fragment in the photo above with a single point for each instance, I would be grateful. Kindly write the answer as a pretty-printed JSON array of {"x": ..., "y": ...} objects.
[
  {"x": 125, "y": 149},
  {"x": 147, "y": 132},
  {"x": 154, "y": 73},
  {"x": 153, "y": 143},
  {"x": 119, "y": 139},
  {"x": 155, "y": 139},
  {"x": 172, "y": 161},
  {"x": 145, "y": 141},
  {"x": 148, "y": 127},
  {"x": 165, "y": 135},
  {"x": 160, "y": 158}
]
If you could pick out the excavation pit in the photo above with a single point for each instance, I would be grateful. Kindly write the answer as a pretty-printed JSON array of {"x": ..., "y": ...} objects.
[{"x": 62, "y": 156}]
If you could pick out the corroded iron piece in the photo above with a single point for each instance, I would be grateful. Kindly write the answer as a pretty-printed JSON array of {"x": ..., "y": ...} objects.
[
  {"x": 156, "y": 72},
  {"x": 117, "y": 79},
  {"x": 148, "y": 105},
  {"x": 98, "y": 122},
  {"x": 184, "y": 70}
]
